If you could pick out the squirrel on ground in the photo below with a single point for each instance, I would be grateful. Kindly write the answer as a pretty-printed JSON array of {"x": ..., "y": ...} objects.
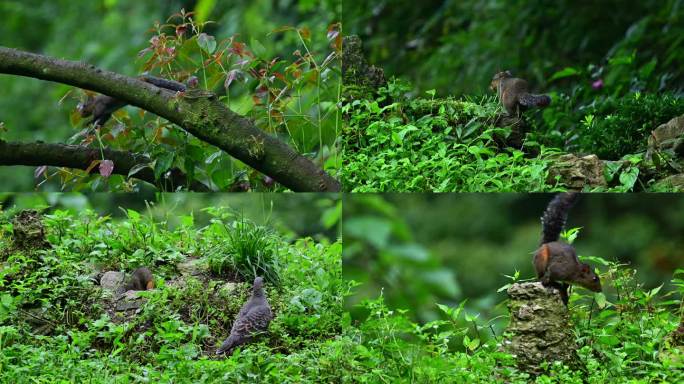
[
  {"x": 140, "y": 280},
  {"x": 514, "y": 93},
  {"x": 555, "y": 262}
]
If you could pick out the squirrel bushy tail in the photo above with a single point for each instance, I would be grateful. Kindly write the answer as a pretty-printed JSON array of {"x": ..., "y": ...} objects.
[
  {"x": 530, "y": 100},
  {"x": 555, "y": 215}
]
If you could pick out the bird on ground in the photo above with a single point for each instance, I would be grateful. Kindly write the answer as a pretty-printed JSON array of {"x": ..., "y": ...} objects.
[{"x": 252, "y": 320}]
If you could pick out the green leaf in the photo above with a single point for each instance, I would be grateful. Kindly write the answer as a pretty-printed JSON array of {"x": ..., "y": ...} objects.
[
  {"x": 565, "y": 72},
  {"x": 629, "y": 177},
  {"x": 162, "y": 164},
  {"x": 332, "y": 216},
  {"x": 206, "y": 42},
  {"x": 137, "y": 168},
  {"x": 203, "y": 10},
  {"x": 257, "y": 48}
]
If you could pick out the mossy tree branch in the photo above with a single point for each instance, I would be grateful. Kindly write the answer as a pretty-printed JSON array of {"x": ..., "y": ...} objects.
[
  {"x": 206, "y": 118},
  {"x": 80, "y": 157}
]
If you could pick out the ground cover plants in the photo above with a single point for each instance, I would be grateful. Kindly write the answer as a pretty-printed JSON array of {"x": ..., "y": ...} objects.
[{"x": 59, "y": 324}]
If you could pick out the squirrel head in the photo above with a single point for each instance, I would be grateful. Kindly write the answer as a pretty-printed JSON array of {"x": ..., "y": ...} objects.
[
  {"x": 587, "y": 278},
  {"x": 494, "y": 85}
]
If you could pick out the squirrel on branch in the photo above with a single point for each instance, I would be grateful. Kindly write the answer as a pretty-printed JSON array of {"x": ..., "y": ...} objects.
[
  {"x": 102, "y": 107},
  {"x": 514, "y": 93},
  {"x": 555, "y": 262}
]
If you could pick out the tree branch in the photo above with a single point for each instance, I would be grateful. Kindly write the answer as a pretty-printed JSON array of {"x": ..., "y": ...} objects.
[
  {"x": 206, "y": 118},
  {"x": 80, "y": 157}
]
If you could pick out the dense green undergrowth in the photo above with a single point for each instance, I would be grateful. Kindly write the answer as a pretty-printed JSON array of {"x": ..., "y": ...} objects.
[
  {"x": 56, "y": 323},
  {"x": 400, "y": 143},
  {"x": 434, "y": 145},
  {"x": 623, "y": 337}
]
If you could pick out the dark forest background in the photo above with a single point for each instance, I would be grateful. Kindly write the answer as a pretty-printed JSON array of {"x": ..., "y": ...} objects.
[{"x": 455, "y": 46}]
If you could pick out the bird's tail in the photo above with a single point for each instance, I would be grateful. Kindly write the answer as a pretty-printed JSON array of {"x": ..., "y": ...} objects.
[{"x": 530, "y": 100}]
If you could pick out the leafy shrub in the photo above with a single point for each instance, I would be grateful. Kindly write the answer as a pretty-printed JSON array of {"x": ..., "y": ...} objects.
[
  {"x": 433, "y": 145},
  {"x": 616, "y": 127},
  {"x": 623, "y": 337},
  {"x": 249, "y": 250}
]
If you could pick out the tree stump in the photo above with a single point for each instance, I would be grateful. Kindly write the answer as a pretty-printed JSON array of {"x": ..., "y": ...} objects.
[
  {"x": 28, "y": 231},
  {"x": 539, "y": 330},
  {"x": 358, "y": 77}
]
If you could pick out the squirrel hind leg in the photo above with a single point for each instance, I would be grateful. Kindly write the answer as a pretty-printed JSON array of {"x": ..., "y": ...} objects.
[{"x": 563, "y": 290}]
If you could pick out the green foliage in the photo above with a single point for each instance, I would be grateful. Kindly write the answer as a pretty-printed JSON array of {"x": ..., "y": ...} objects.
[
  {"x": 273, "y": 62},
  {"x": 180, "y": 324},
  {"x": 610, "y": 87},
  {"x": 621, "y": 340},
  {"x": 610, "y": 109},
  {"x": 428, "y": 145},
  {"x": 244, "y": 248},
  {"x": 619, "y": 127}
]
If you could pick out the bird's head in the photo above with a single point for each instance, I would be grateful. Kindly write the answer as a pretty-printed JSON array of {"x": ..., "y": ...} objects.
[{"x": 258, "y": 283}]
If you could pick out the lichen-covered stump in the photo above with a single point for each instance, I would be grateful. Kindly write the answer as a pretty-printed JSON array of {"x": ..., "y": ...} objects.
[
  {"x": 28, "y": 231},
  {"x": 358, "y": 77},
  {"x": 539, "y": 330}
]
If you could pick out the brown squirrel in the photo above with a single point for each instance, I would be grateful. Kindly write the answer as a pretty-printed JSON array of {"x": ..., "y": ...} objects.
[
  {"x": 514, "y": 93},
  {"x": 556, "y": 263},
  {"x": 141, "y": 279}
]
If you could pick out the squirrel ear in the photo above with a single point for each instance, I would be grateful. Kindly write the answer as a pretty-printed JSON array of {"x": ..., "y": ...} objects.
[
  {"x": 585, "y": 268},
  {"x": 508, "y": 72}
]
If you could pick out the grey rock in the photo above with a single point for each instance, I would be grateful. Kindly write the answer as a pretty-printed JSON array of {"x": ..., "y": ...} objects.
[
  {"x": 667, "y": 138},
  {"x": 674, "y": 181},
  {"x": 666, "y": 152},
  {"x": 112, "y": 280},
  {"x": 578, "y": 172},
  {"x": 252, "y": 320},
  {"x": 193, "y": 267}
]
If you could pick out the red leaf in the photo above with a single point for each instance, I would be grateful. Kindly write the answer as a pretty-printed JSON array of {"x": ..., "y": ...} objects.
[
  {"x": 106, "y": 168},
  {"x": 193, "y": 81},
  {"x": 180, "y": 30},
  {"x": 232, "y": 75}
]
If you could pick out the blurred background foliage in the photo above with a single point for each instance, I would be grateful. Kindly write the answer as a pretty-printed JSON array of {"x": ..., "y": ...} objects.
[
  {"x": 422, "y": 249},
  {"x": 294, "y": 216},
  {"x": 111, "y": 33},
  {"x": 594, "y": 58}
]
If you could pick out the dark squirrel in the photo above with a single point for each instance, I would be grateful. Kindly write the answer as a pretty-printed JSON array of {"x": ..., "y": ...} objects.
[
  {"x": 140, "y": 280},
  {"x": 555, "y": 262},
  {"x": 514, "y": 93},
  {"x": 102, "y": 107}
]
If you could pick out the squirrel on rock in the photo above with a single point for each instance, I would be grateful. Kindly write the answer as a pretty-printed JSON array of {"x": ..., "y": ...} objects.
[
  {"x": 515, "y": 95},
  {"x": 140, "y": 280},
  {"x": 555, "y": 262}
]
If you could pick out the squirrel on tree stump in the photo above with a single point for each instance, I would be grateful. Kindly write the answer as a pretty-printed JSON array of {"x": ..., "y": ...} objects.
[{"x": 555, "y": 262}]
